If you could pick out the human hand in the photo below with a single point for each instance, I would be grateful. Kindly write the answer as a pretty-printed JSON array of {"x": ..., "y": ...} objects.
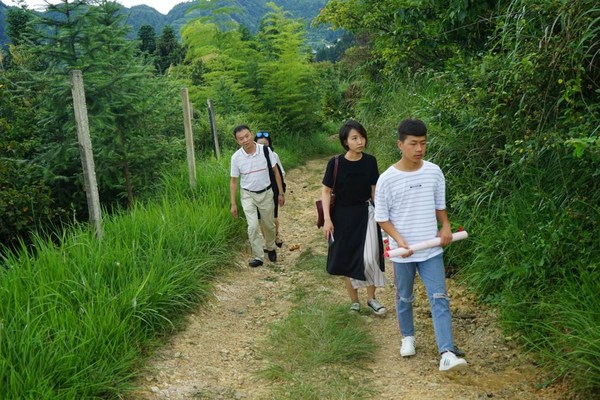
[
  {"x": 234, "y": 211},
  {"x": 445, "y": 235},
  {"x": 328, "y": 229},
  {"x": 402, "y": 243}
]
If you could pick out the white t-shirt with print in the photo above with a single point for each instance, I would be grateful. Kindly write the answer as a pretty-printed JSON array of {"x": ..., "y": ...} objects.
[{"x": 409, "y": 201}]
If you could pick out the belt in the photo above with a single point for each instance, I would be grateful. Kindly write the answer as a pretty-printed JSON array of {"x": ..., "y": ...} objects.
[{"x": 259, "y": 191}]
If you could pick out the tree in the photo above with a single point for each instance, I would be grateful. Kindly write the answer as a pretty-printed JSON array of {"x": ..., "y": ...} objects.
[
  {"x": 413, "y": 33},
  {"x": 124, "y": 103},
  {"x": 289, "y": 88},
  {"x": 18, "y": 25},
  {"x": 147, "y": 39},
  {"x": 220, "y": 63},
  {"x": 168, "y": 50}
]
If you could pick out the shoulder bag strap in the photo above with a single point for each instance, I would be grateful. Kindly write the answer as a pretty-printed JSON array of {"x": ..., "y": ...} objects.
[{"x": 335, "y": 171}]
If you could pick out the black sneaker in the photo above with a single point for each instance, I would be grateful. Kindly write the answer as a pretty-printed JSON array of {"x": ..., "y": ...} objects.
[
  {"x": 272, "y": 255},
  {"x": 376, "y": 307},
  {"x": 255, "y": 263}
]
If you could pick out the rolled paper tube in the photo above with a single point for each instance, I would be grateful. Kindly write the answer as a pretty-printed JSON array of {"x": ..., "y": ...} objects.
[{"x": 400, "y": 251}]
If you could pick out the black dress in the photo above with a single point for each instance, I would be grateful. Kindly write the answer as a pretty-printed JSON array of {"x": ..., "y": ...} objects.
[{"x": 350, "y": 215}]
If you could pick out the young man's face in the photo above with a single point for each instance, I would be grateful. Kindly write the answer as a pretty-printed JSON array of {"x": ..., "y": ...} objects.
[
  {"x": 413, "y": 148},
  {"x": 245, "y": 139}
]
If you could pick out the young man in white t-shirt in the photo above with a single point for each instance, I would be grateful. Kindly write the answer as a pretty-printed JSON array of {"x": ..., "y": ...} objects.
[
  {"x": 410, "y": 202},
  {"x": 249, "y": 164}
]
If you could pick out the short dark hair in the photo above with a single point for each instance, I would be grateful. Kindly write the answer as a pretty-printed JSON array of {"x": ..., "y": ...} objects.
[
  {"x": 345, "y": 131},
  {"x": 412, "y": 127},
  {"x": 239, "y": 128}
]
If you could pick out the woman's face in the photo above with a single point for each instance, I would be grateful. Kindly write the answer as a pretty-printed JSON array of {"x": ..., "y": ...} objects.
[
  {"x": 356, "y": 142},
  {"x": 262, "y": 140}
]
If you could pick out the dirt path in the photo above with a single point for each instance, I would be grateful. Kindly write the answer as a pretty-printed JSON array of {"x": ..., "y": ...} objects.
[{"x": 216, "y": 356}]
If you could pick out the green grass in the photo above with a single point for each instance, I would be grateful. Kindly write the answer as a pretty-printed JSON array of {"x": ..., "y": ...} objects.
[
  {"x": 318, "y": 352},
  {"x": 78, "y": 314},
  {"x": 310, "y": 261}
]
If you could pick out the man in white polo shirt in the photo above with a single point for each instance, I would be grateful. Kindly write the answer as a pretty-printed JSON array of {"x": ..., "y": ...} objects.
[{"x": 249, "y": 164}]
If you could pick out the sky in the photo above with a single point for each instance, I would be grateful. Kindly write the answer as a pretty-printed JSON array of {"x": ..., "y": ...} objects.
[{"x": 162, "y": 6}]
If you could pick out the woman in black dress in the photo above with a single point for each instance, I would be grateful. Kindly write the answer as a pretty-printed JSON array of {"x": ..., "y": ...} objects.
[{"x": 355, "y": 243}]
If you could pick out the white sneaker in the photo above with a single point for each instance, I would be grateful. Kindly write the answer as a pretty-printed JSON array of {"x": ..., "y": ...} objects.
[
  {"x": 449, "y": 361},
  {"x": 408, "y": 347},
  {"x": 355, "y": 307}
]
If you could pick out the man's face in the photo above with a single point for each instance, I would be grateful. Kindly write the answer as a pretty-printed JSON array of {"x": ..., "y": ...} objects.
[
  {"x": 245, "y": 139},
  {"x": 413, "y": 148}
]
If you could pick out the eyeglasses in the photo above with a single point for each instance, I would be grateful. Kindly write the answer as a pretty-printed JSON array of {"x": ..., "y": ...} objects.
[{"x": 262, "y": 134}]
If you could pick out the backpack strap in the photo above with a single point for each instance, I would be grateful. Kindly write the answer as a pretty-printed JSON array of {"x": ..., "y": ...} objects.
[
  {"x": 266, "y": 151},
  {"x": 270, "y": 169}
]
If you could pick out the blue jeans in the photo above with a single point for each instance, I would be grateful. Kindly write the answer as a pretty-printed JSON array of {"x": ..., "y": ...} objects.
[{"x": 433, "y": 276}]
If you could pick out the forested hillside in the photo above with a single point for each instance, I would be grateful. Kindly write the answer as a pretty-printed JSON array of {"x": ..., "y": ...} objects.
[
  {"x": 3, "y": 37},
  {"x": 247, "y": 13}
]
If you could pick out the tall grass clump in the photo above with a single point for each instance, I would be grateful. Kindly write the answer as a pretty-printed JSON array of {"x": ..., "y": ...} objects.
[
  {"x": 569, "y": 338},
  {"x": 77, "y": 314}
]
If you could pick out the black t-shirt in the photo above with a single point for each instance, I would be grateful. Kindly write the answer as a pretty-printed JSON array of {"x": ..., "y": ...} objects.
[{"x": 354, "y": 179}]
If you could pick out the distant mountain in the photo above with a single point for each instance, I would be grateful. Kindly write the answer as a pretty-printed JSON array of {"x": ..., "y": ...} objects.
[
  {"x": 251, "y": 11},
  {"x": 3, "y": 10}
]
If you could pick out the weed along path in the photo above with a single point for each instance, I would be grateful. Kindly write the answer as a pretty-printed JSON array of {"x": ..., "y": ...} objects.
[{"x": 229, "y": 347}]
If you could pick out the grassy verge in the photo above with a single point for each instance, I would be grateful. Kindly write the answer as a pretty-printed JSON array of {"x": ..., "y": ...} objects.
[
  {"x": 318, "y": 351},
  {"x": 78, "y": 314}
]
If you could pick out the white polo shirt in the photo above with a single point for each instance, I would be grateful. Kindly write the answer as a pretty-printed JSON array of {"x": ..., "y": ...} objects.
[{"x": 252, "y": 169}]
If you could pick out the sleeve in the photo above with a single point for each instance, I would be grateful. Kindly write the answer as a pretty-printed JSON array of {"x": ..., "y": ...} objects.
[
  {"x": 374, "y": 171},
  {"x": 234, "y": 169},
  {"x": 440, "y": 191},
  {"x": 382, "y": 213},
  {"x": 328, "y": 177}
]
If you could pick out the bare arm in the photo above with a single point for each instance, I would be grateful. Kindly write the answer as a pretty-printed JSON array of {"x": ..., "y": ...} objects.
[
  {"x": 281, "y": 199},
  {"x": 445, "y": 232},
  {"x": 326, "y": 200},
  {"x": 232, "y": 195}
]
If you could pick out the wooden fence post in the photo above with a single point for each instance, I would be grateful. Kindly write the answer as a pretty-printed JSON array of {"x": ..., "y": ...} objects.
[
  {"x": 189, "y": 136},
  {"x": 213, "y": 129},
  {"x": 85, "y": 151}
]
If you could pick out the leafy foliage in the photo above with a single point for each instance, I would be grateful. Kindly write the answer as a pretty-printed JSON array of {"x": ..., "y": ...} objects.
[
  {"x": 511, "y": 99},
  {"x": 266, "y": 79},
  {"x": 130, "y": 113},
  {"x": 412, "y": 33}
]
